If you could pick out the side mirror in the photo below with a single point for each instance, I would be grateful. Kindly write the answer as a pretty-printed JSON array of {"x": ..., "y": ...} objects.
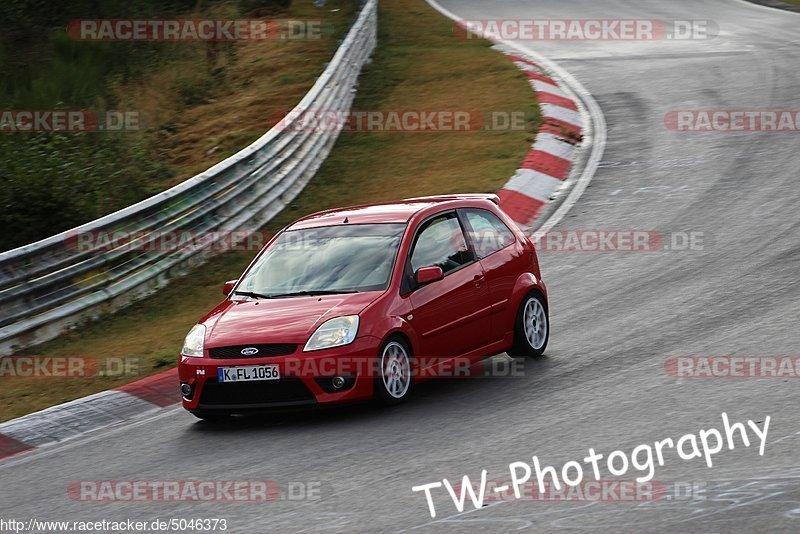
[
  {"x": 228, "y": 287},
  {"x": 426, "y": 275}
]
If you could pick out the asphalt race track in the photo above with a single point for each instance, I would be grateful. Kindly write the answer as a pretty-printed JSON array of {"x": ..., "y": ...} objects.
[{"x": 616, "y": 318}]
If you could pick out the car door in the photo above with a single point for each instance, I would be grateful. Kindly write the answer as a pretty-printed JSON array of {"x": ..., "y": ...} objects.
[
  {"x": 451, "y": 315},
  {"x": 502, "y": 259}
]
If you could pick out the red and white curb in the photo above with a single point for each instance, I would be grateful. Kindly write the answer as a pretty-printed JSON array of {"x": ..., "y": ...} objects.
[
  {"x": 87, "y": 414},
  {"x": 547, "y": 165}
]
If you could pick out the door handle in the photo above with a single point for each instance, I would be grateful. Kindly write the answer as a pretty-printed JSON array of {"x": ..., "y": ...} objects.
[{"x": 478, "y": 280}]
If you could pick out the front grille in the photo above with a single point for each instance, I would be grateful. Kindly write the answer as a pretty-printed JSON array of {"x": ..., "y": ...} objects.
[
  {"x": 264, "y": 351},
  {"x": 287, "y": 390}
]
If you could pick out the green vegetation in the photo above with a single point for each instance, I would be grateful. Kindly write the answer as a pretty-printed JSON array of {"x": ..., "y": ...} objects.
[{"x": 50, "y": 182}]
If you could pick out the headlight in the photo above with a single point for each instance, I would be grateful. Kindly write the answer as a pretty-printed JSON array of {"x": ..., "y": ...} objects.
[
  {"x": 334, "y": 333},
  {"x": 193, "y": 344}
]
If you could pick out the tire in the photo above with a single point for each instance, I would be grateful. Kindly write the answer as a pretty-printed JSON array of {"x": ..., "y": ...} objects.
[
  {"x": 531, "y": 328},
  {"x": 393, "y": 383},
  {"x": 213, "y": 417}
]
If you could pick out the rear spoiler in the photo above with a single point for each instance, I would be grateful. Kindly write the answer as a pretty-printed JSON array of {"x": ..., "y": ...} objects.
[{"x": 459, "y": 196}]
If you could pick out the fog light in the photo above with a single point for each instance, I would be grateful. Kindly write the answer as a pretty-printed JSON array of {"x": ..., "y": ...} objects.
[
  {"x": 338, "y": 382},
  {"x": 186, "y": 390},
  {"x": 335, "y": 384}
]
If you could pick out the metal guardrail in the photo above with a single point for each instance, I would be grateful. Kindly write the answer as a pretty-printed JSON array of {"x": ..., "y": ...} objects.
[{"x": 48, "y": 286}]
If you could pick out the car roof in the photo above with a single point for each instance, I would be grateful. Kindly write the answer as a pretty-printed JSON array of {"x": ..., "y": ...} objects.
[{"x": 388, "y": 212}]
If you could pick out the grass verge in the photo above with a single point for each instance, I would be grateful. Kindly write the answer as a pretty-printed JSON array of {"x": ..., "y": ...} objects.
[
  {"x": 419, "y": 65},
  {"x": 194, "y": 104}
]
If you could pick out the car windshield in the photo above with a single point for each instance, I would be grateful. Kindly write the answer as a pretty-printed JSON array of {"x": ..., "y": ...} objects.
[{"x": 332, "y": 259}]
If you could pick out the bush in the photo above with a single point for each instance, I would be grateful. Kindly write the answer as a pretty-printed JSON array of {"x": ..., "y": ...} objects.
[{"x": 53, "y": 182}]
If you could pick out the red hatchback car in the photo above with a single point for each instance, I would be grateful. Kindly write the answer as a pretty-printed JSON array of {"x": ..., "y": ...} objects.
[{"x": 363, "y": 302}]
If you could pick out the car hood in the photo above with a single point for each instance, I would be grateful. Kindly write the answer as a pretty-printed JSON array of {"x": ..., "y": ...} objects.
[{"x": 284, "y": 320}]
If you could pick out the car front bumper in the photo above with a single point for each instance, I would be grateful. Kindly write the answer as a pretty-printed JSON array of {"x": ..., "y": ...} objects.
[{"x": 305, "y": 379}]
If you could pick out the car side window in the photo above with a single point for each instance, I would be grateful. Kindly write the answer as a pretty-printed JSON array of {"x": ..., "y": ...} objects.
[
  {"x": 487, "y": 232},
  {"x": 441, "y": 244}
]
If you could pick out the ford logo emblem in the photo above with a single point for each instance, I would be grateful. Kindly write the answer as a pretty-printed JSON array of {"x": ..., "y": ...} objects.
[{"x": 249, "y": 351}]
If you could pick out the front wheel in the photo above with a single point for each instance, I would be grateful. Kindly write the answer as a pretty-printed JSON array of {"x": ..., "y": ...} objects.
[
  {"x": 532, "y": 328},
  {"x": 393, "y": 384}
]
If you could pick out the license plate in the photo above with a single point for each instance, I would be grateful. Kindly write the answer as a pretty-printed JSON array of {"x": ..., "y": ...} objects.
[{"x": 248, "y": 373}]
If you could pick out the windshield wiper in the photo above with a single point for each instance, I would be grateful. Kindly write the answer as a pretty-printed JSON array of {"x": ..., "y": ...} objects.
[
  {"x": 314, "y": 293},
  {"x": 252, "y": 295}
]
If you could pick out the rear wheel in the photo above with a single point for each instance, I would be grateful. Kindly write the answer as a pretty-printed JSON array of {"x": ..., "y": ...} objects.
[
  {"x": 532, "y": 328},
  {"x": 393, "y": 384}
]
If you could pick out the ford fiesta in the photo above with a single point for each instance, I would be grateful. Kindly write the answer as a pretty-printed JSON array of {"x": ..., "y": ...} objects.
[{"x": 364, "y": 302}]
